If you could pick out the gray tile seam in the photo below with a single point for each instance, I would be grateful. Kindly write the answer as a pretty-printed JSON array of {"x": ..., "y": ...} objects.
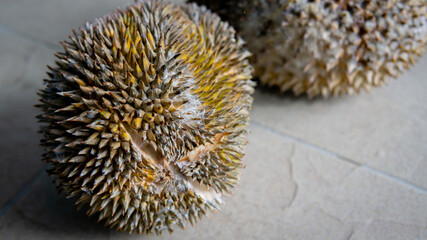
[
  {"x": 27, "y": 186},
  {"x": 342, "y": 158},
  {"x": 30, "y": 38}
]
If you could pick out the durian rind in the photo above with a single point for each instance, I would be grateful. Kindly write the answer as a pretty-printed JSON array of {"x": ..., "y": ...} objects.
[
  {"x": 331, "y": 47},
  {"x": 145, "y": 115}
]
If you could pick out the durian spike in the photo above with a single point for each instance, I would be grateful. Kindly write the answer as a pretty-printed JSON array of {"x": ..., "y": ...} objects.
[
  {"x": 331, "y": 47},
  {"x": 145, "y": 115}
]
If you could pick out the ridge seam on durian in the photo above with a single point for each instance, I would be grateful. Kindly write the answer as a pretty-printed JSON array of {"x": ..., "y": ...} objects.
[
  {"x": 190, "y": 112},
  {"x": 143, "y": 148}
]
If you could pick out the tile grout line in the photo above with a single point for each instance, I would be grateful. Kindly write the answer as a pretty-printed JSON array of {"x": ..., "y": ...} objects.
[
  {"x": 28, "y": 37},
  {"x": 306, "y": 144},
  {"x": 11, "y": 202},
  {"x": 394, "y": 178},
  {"x": 342, "y": 158}
]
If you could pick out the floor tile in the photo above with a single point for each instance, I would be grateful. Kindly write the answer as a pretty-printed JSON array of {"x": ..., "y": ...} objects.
[
  {"x": 22, "y": 68},
  {"x": 287, "y": 191},
  {"x": 52, "y": 20},
  {"x": 44, "y": 214},
  {"x": 385, "y": 129},
  {"x": 346, "y": 168}
]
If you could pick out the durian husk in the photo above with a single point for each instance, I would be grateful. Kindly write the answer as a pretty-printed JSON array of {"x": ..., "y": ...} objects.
[
  {"x": 145, "y": 115},
  {"x": 331, "y": 47}
]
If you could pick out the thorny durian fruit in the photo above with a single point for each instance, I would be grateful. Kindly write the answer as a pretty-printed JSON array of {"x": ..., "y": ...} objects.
[
  {"x": 146, "y": 113},
  {"x": 330, "y": 47}
]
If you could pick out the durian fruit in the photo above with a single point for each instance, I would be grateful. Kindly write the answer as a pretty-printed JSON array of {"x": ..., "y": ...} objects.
[
  {"x": 145, "y": 115},
  {"x": 328, "y": 47}
]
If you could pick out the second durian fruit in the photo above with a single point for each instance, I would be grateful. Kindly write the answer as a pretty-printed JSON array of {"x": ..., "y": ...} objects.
[
  {"x": 328, "y": 47},
  {"x": 145, "y": 115}
]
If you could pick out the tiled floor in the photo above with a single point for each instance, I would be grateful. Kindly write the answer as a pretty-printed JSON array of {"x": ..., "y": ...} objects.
[{"x": 345, "y": 168}]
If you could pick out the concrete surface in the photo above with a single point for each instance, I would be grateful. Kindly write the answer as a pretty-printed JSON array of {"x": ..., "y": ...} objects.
[{"x": 345, "y": 168}]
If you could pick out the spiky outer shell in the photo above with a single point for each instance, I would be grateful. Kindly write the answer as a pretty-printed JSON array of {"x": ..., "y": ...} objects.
[
  {"x": 145, "y": 115},
  {"x": 330, "y": 47}
]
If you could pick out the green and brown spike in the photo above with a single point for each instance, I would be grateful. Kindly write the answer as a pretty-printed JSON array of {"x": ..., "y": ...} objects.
[
  {"x": 145, "y": 115},
  {"x": 328, "y": 47}
]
